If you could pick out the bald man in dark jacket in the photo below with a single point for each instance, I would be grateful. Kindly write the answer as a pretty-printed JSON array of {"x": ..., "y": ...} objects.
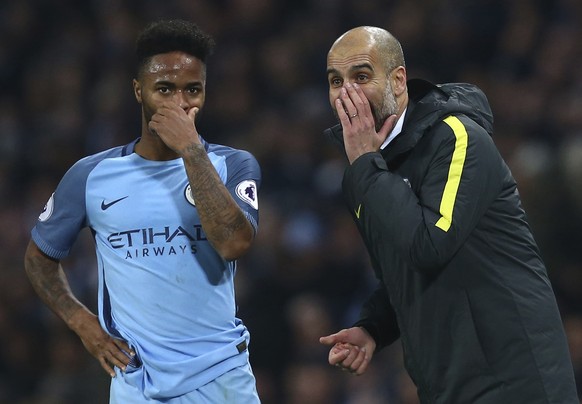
[{"x": 461, "y": 281}]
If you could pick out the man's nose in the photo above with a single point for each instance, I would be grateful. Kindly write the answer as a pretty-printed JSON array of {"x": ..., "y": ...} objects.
[{"x": 181, "y": 99}]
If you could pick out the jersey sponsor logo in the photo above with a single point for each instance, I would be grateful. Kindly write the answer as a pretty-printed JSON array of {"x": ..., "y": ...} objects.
[
  {"x": 188, "y": 195},
  {"x": 48, "y": 209},
  {"x": 150, "y": 235},
  {"x": 247, "y": 192},
  {"x": 145, "y": 252},
  {"x": 154, "y": 242},
  {"x": 107, "y": 205}
]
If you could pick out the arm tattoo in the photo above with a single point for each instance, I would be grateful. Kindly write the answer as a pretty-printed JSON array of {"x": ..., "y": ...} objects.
[
  {"x": 221, "y": 217},
  {"x": 49, "y": 281}
]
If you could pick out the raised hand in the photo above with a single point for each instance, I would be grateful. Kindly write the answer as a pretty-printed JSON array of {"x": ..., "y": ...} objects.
[
  {"x": 175, "y": 126},
  {"x": 359, "y": 128}
]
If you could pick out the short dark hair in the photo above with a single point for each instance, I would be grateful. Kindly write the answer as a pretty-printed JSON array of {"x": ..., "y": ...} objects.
[{"x": 172, "y": 35}]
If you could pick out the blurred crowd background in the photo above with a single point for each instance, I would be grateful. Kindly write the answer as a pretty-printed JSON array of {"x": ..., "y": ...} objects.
[{"x": 65, "y": 76}]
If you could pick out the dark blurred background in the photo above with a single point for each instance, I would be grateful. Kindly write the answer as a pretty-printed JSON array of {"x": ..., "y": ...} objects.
[{"x": 65, "y": 79}]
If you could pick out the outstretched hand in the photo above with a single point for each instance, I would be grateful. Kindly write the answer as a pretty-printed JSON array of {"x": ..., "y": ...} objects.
[
  {"x": 358, "y": 124},
  {"x": 351, "y": 349}
]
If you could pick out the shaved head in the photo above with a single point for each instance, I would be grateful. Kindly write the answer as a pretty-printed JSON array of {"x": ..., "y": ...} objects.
[
  {"x": 372, "y": 59},
  {"x": 374, "y": 39}
]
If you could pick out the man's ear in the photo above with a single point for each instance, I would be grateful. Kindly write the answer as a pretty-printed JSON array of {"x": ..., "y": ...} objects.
[
  {"x": 398, "y": 77},
  {"x": 137, "y": 90}
]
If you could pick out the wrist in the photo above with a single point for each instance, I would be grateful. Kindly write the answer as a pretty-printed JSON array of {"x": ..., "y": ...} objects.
[
  {"x": 193, "y": 149},
  {"x": 371, "y": 344},
  {"x": 78, "y": 318}
]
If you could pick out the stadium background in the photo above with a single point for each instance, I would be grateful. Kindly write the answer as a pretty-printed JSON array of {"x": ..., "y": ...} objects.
[{"x": 65, "y": 79}]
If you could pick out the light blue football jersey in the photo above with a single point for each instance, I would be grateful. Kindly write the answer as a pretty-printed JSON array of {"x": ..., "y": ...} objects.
[{"x": 162, "y": 286}]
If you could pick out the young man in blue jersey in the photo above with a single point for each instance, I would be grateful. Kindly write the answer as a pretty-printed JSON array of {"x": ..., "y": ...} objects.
[{"x": 170, "y": 214}]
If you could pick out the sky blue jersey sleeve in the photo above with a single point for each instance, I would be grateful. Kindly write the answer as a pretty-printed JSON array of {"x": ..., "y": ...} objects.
[
  {"x": 243, "y": 180},
  {"x": 64, "y": 215}
]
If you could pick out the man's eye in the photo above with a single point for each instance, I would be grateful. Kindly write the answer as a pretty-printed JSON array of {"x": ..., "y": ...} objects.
[
  {"x": 362, "y": 77},
  {"x": 193, "y": 90},
  {"x": 335, "y": 82},
  {"x": 164, "y": 90}
]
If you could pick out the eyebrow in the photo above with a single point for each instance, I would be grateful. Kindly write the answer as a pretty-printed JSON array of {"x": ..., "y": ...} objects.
[
  {"x": 362, "y": 66},
  {"x": 352, "y": 68}
]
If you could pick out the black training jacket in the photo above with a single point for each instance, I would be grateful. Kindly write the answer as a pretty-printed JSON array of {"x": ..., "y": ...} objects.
[{"x": 461, "y": 279}]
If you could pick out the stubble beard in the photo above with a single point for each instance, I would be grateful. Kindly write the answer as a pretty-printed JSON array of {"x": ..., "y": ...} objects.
[
  {"x": 381, "y": 112},
  {"x": 389, "y": 107}
]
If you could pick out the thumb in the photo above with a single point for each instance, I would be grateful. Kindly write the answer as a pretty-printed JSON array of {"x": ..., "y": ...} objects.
[
  {"x": 329, "y": 339},
  {"x": 332, "y": 338},
  {"x": 192, "y": 113},
  {"x": 387, "y": 127}
]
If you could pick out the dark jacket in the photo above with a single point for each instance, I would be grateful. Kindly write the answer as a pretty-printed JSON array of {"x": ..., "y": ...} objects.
[{"x": 461, "y": 278}]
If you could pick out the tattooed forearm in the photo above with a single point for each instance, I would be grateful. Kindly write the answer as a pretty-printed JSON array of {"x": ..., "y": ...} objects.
[
  {"x": 49, "y": 281},
  {"x": 223, "y": 221}
]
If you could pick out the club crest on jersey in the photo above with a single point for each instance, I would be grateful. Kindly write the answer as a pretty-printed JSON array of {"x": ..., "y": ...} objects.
[
  {"x": 48, "y": 209},
  {"x": 247, "y": 192},
  {"x": 188, "y": 195}
]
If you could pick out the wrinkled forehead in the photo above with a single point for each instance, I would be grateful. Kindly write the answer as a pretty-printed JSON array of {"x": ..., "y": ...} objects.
[{"x": 347, "y": 54}]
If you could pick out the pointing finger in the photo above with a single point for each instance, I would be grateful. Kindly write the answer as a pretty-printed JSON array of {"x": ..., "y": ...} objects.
[{"x": 328, "y": 340}]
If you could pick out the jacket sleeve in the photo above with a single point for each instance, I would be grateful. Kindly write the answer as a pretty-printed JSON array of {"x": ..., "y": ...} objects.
[
  {"x": 426, "y": 223},
  {"x": 379, "y": 319}
]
